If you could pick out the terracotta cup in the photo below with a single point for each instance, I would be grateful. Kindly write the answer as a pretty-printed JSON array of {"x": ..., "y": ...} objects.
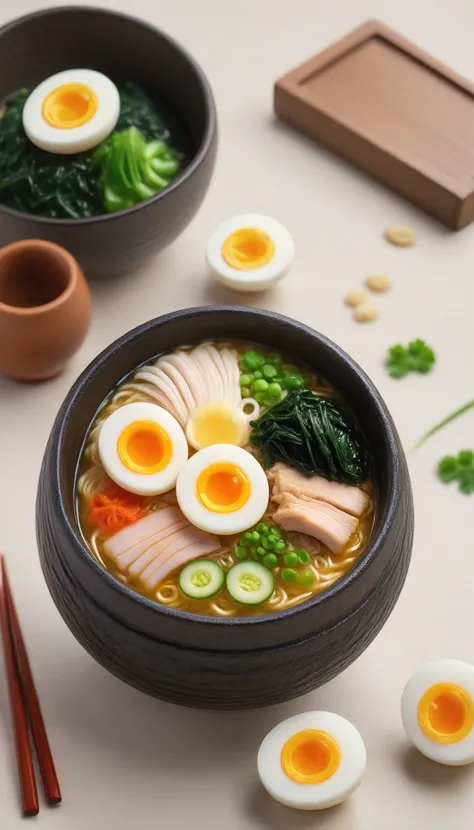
[{"x": 45, "y": 309}]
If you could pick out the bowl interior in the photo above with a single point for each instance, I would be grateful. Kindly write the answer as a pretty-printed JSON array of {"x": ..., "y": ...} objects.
[
  {"x": 266, "y": 328},
  {"x": 121, "y": 47}
]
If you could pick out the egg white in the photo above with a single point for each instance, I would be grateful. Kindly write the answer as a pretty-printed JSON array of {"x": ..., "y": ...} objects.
[
  {"x": 312, "y": 796},
  {"x": 257, "y": 279},
  {"x": 222, "y": 524},
  {"x": 134, "y": 482},
  {"x": 438, "y": 671},
  {"x": 76, "y": 139}
]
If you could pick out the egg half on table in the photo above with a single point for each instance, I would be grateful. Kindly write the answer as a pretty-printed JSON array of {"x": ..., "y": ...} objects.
[
  {"x": 142, "y": 448},
  {"x": 222, "y": 489},
  {"x": 72, "y": 111},
  {"x": 312, "y": 761},
  {"x": 438, "y": 711},
  {"x": 250, "y": 252}
]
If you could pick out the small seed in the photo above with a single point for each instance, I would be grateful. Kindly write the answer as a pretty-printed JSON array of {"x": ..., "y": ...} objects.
[
  {"x": 400, "y": 235},
  {"x": 354, "y": 298},
  {"x": 379, "y": 283},
  {"x": 366, "y": 313}
]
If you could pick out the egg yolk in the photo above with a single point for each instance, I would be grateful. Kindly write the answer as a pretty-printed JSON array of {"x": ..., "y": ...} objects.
[
  {"x": 446, "y": 713},
  {"x": 310, "y": 757},
  {"x": 215, "y": 424},
  {"x": 247, "y": 249},
  {"x": 69, "y": 106},
  {"x": 144, "y": 447},
  {"x": 223, "y": 488}
]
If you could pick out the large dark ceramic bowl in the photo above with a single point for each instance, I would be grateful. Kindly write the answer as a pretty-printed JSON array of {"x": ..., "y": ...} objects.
[
  {"x": 40, "y": 44},
  {"x": 223, "y": 662}
]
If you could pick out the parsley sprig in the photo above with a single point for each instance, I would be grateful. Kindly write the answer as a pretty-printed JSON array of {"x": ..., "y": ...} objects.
[
  {"x": 416, "y": 357},
  {"x": 458, "y": 468}
]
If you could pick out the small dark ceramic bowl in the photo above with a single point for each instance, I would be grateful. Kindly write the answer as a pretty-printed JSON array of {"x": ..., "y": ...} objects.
[
  {"x": 223, "y": 663},
  {"x": 40, "y": 44}
]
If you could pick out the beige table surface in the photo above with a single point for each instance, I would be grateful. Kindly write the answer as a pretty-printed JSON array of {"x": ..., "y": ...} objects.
[{"x": 127, "y": 761}]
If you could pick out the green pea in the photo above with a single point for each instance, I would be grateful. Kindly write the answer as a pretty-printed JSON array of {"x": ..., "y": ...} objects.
[
  {"x": 304, "y": 557},
  {"x": 291, "y": 559},
  {"x": 276, "y": 531},
  {"x": 255, "y": 537},
  {"x": 291, "y": 382},
  {"x": 268, "y": 400},
  {"x": 288, "y": 369},
  {"x": 274, "y": 390},
  {"x": 270, "y": 560},
  {"x": 253, "y": 360},
  {"x": 269, "y": 371},
  {"x": 272, "y": 540},
  {"x": 254, "y": 556},
  {"x": 289, "y": 575},
  {"x": 246, "y": 539},
  {"x": 246, "y": 380},
  {"x": 242, "y": 553},
  {"x": 261, "y": 551},
  {"x": 257, "y": 375},
  {"x": 245, "y": 391},
  {"x": 260, "y": 397},
  {"x": 280, "y": 546},
  {"x": 266, "y": 543},
  {"x": 260, "y": 385},
  {"x": 306, "y": 578},
  {"x": 263, "y": 528}
]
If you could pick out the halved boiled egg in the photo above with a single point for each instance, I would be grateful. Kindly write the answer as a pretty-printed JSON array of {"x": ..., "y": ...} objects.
[
  {"x": 250, "y": 252},
  {"x": 71, "y": 111},
  {"x": 438, "y": 711},
  {"x": 217, "y": 423},
  {"x": 312, "y": 761},
  {"x": 222, "y": 489},
  {"x": 142, "y": 448}
]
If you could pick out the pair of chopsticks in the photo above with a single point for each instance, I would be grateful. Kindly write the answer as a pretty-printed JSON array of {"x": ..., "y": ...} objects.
[{"x": 25, "y": 707}]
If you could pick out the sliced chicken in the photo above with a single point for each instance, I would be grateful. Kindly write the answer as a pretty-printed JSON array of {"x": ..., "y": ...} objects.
[
  {"x": 187, "y": 366},
  {"x": 285, "y": 480},
  {"x": 302, "y": 540},
  {"x": 180, "y": 382},
  {"x": 143, "y": 529},
  {"x": 157, "y": 544},
  {"x": 192, "y": 547},
  {"x": 155, "y": 394},
  {"x": 229, "y": 359},
  {"x": 325, "y": 522},
  {"x": 166, "y": 389},
  {"x": 130, "y": 556},
  {"x": 215, "y": 388}
]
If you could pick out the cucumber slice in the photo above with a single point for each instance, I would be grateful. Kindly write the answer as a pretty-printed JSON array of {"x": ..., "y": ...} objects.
[
  {"x": 250, "y": 583},
  {"x": 201, "y": 579}
]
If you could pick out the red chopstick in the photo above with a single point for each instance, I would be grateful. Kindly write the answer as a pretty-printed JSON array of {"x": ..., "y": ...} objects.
[{"x": 25, "y": 706}]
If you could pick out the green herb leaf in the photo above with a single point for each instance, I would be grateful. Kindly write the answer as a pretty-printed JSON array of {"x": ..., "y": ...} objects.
[
  {"x": 127, "y": 175},
  {"x": 458, "y": 468},
  {"x": 451, "y": 417},
  {"x": 416, "y": 357},
  {"x": 313, "y": 434}
]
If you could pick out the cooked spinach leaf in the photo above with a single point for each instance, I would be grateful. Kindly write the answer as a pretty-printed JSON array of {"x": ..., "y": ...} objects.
[
  {"x": 67, "y": 187},
  {"x": 313, "y": 434}
]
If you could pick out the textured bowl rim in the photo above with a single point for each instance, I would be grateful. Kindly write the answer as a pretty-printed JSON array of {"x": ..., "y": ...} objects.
[
  {"x": 204, "y": 147},
  {"x": 387, "y": 511}
]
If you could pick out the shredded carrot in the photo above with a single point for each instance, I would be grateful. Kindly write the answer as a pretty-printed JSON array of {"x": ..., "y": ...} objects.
[{"x": 114, "y": 508}]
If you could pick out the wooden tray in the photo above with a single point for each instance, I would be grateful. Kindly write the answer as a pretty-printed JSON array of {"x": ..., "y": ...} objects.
[{"x": 395, "y": 112}]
